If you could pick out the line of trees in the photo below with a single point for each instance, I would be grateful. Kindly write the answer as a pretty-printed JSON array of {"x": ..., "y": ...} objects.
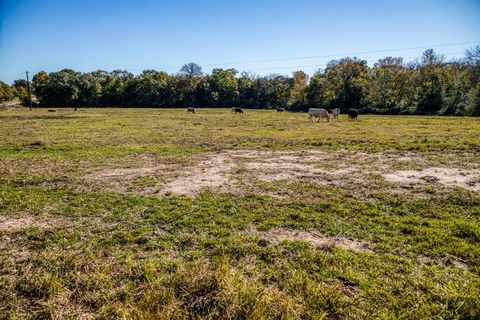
[{"x": 429, "y": 85}]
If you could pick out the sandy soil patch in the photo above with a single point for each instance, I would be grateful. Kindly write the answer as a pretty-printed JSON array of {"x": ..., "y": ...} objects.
[
  {"x": 215, "y": 171},
  {"x": 314, "y": 238},
  {"x": 211, "y": 173},
  {"x": 16, "y": 224},
  {"x": 243, "y": 170},
  {"x": 450, "y": 177},
  {"x": 122, "y": 173}
]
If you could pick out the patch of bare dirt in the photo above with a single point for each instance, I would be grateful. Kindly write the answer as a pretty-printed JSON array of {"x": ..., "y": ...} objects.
[
  {"x": 314, "y": 238},
  {"x": 240, "y": 171},
  {"x": 449, "y": 177},
  {"x": 212, "y": 173},
  {"x": 16, "y": 224},
  {"x": 121, "y": 173}
]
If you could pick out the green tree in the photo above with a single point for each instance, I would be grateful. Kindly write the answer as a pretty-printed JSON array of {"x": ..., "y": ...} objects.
[
  {"x": 186, "y": 82},
  {"x": 298, "y": 93},
  {"x": 20, "y": 90},
  {"x": 348, "y": 79},
  {"x": 473, "y": 107},
  {"x": 262, "y": 92},
  {"x": 203, "y": 92},
  {"x": 281, "y": 90},
  {"x": 473, "y": 60},
  {"x": 246, "y": 90},
  {"x": 455, "y": 88},
  {"x": 386, "y": 86},
  {"x": 153, "y": 89},
  {"x": 90, "y": 88},
  {"x": 429, "y": 78},
  {"x": 224, "y": 88},
  {"x": 320, "y": 92},
  {"x": 6, "y": 92},
  {"x": 114, "y": 89},
  {"x": 57, "y": 89}
]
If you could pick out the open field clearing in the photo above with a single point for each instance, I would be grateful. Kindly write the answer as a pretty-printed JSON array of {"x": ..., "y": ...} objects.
[{"x": 156, "y": 213}]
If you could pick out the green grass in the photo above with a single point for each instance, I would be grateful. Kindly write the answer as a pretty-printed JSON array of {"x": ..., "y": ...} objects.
[{"x": 87, "y": 250}]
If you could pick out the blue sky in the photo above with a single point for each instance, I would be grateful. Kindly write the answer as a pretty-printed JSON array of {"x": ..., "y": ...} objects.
[{"x": 89, "y": 35}]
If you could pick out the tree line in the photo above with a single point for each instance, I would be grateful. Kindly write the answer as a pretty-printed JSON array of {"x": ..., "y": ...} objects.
[{"x": 429, "y": 85}]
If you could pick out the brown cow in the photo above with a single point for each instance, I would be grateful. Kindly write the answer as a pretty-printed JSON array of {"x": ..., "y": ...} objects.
[{"x": 237, "y": 110}]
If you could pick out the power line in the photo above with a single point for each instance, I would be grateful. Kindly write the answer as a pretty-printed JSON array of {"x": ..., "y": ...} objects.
[
  {"x": 324, "y": 65},
  {"x": 315, "y": 57},
  {"x": 345, "y": 54},
  {"x": 328, "y": 55}
]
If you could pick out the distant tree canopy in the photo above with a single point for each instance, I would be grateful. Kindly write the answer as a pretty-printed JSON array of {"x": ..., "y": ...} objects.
[{"x": 431, "y": 85}]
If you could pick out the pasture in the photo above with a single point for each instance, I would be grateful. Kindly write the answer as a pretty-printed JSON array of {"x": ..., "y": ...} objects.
[{"x": 160, "y": 213}]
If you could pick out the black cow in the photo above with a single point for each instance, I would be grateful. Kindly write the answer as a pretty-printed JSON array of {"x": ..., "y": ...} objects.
[{"x": 352, "y": 114}]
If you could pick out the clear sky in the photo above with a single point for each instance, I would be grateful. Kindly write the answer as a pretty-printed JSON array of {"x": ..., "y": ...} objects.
[{"x": 88, "y": 35}]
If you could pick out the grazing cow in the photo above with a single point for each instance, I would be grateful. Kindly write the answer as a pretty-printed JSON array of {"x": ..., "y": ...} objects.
[
  {"x": 318, "y": 113},
  {"x": 237, "y": 110},
  {"x": 335, "y": 113},
  {"x": 191, "y": 109},
  {"x": 280, "y": 109},
  {"x": 352, "y": 114}
]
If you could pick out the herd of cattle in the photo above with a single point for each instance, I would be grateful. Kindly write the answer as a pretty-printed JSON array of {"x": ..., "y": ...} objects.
[
  {"x": 329, "y": 114},
  {"x": 312, "y": 113}
]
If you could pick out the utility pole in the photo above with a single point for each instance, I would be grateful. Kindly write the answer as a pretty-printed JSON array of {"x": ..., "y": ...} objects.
[{"x": 29, "y": 94}]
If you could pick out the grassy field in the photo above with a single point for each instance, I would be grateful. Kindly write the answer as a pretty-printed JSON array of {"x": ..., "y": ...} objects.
[{"x": 156, "y": 213}]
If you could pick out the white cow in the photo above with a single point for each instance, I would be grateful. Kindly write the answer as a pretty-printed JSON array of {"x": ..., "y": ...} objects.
[
  {"x": 335, "y": 113},
  {"x": 318, "y": 113}
]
